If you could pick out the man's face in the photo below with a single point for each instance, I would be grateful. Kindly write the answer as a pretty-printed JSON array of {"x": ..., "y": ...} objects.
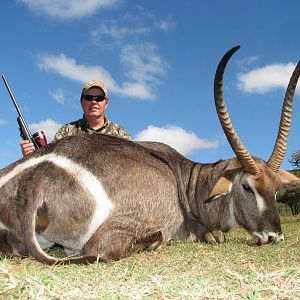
[{"x": 94, "y": 108}]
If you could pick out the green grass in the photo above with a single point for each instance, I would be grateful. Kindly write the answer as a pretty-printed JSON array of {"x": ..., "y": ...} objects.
[{"x": 234, "y": 270}]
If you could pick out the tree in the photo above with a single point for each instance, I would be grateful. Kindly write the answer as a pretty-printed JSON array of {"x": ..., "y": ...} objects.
[
  {"x": 290, "y": 197},
  {"x": 295, "y": 159}
]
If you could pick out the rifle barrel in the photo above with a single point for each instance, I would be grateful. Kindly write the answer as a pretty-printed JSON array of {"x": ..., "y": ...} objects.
[
  {"x": 22, "y": 123},
  {"x": 12, "y": 97}
]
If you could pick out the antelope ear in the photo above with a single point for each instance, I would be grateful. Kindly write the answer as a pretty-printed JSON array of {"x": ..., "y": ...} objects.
[
  {"x": 223, "y": 185},
  {"x": 288, "y": 179}
]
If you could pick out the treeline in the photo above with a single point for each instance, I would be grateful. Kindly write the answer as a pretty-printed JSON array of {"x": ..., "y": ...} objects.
[{"x": 291, "y": 196}]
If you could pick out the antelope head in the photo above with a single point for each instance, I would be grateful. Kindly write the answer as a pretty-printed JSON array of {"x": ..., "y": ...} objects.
[{"x": 256, "y": 182}]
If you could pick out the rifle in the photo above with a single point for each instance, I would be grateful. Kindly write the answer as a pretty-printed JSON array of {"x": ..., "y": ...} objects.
[{"x": 38, "y": 139}]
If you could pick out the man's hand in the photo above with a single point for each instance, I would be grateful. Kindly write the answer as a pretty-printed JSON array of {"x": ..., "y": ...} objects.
[{"x": 26, "y": 147}]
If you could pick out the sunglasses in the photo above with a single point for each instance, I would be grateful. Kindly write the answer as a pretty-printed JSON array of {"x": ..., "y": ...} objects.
[{"x": 98, "y": 98}]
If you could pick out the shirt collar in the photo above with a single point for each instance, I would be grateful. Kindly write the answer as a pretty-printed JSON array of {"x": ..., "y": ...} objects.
[{"x": 86, "y": 127}]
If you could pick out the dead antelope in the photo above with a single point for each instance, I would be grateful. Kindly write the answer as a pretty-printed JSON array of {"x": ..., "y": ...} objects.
[{"x": 106, "y": 197}]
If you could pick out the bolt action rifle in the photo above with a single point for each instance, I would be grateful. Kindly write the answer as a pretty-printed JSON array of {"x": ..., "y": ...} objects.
[{"x": 38, "y": 139}]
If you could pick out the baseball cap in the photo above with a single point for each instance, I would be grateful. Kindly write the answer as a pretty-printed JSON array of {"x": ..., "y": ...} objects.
[{"x": 94, "y": 83}]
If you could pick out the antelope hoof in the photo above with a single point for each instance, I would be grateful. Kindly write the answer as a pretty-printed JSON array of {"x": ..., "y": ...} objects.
[
  {"x": 219, "y": 236},
  {"x": 209, "y": 238}
]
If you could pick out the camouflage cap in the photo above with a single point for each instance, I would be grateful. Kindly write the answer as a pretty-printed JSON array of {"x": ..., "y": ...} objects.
[{"x": 94, "y": 83}]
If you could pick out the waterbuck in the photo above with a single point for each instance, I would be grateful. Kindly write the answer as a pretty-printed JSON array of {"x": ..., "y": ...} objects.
[{"x": 105, "y": 197}]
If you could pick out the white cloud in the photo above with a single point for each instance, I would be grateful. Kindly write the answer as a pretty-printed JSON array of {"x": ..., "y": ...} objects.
[
  {"x": 110, "y": 34},
  {"x": 183, "y": 141},
  {"x": 143, "y": 64},
  {"x": 135, "y": 90},
  {"x": 49, "y": 127},
  {"x": 246, "y": 62},
  {"x": 3, "y": 122},
  {"x": 131, "y": 34},
  {"x": 58, "y": 95},
  {"x": 262, "y": 80},
  {"x": 68, "y": 68},
  {"x": 166, "y": 25},
  {"x": 68, "y": 9},
  {"x": 134, "y": 27}
]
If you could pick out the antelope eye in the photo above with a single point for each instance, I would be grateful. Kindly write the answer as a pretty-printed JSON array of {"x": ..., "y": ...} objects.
[{"x": 247, "y": 187}]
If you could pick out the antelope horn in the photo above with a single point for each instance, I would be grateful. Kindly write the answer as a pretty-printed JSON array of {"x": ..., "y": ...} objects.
[
  {"x": 285, "y": 122},
  {"x": 243, "y": 156}
]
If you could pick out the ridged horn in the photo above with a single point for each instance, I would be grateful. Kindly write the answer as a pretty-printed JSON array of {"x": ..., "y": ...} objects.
[
  {"x": 244, "y": 157},
  {"x": 285, "y": 122}
]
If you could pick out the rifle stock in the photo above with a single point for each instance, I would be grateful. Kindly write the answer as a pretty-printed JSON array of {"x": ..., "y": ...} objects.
[{"x": 24, "y": 133}]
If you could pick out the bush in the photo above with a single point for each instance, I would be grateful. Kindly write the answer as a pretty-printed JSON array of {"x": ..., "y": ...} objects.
[{"x": 290, "y": 197}]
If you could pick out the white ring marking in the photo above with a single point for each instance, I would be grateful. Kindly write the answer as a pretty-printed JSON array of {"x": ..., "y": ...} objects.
[{"x": 86, "y": 179}]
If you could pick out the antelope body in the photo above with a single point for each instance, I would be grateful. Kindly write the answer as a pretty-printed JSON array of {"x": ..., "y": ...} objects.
[{"x": 105, "y": 197}]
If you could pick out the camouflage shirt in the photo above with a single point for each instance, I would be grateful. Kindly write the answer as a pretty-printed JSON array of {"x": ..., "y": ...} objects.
[{"x": 81, "y": 127}]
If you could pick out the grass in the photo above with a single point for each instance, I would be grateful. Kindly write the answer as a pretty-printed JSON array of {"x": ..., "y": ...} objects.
[{"x": 181, "y": 270}]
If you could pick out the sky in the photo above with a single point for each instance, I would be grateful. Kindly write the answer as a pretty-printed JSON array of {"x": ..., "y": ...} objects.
[{"x": 158, "y": 59}]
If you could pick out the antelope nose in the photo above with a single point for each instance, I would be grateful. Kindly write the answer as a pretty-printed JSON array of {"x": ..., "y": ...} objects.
[{"x": 275, "y": 238}]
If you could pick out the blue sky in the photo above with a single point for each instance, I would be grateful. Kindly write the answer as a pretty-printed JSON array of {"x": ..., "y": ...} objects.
[{"x": 158, "y": 59}]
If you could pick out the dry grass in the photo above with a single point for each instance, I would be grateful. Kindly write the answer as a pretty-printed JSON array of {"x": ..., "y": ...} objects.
[{"x": 181, "y": 270}]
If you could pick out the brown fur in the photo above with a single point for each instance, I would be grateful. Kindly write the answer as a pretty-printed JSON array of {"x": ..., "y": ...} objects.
[{"x": 155, "y": 193}]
